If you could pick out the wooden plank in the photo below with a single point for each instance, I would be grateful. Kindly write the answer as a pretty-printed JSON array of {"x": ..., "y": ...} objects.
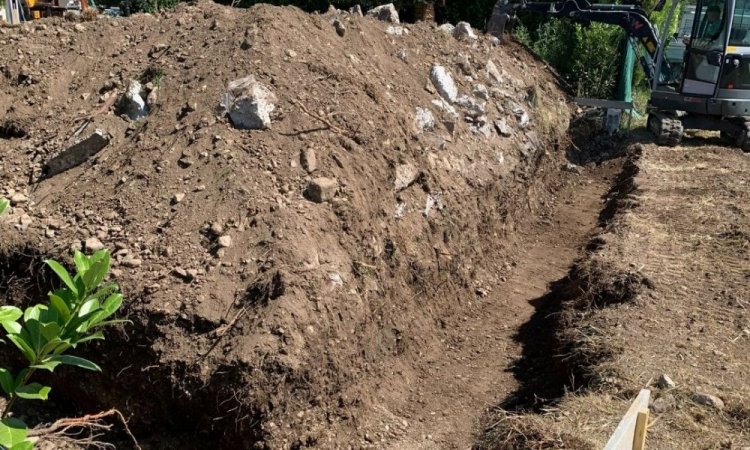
[
  {"x": 624, "y": 435},
  {"x": 641, "y": 426}
]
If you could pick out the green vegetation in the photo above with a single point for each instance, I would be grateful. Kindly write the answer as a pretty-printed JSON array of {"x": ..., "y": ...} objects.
[{"x": 45, "y": 333}]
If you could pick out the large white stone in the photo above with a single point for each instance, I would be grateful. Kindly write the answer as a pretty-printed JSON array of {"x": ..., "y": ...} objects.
[
  {"x": 443, "y": 82},
  {"x": 386, "y": 13},
  {"x": 249, "y": 103}
]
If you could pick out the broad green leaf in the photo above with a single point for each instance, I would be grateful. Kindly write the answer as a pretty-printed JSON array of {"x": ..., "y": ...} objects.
[
  {"x": 112, "y": 303},
  {"x": 33, "y": 312},
  {"x": 10, "y": 313},
  {"x": 33, "y": 391},
  {"x": 80, "y": 286},
  {"x": 64, "y": 345},
  {"x": 49, "y": 315},
  {"x": 76, "y": 361},
  {"x": 50, "y": 365},
  {"x": 96, "y": 272},
  {"x": 49, "y": 348},
  {"x": 6, "y": 381},
  {"x": 60, "y": 306},
  {"x": 107, "y": 323},
  {"x": 63, "y": 274},
  {"x": 82, "y": 261},
  {"x": 50, "y": 331},
  {"x": 12, "y": 432},
  {"x": 3, "y": 205},
  {"x": 88, "y": 307},
  {"x": 25, "y": 445},
  {"x": 24, "y": 346},
  {"x": 11, "y": 327},
  {"x": 35, "y": 338}
]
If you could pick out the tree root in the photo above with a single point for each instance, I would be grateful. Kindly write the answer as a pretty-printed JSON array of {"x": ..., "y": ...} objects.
[{"x": 82, "y": 431}]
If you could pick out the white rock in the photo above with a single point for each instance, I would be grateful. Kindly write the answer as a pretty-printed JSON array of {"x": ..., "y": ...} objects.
[
  {"x": 446, "y": 107},
  {"x": 178, "y": 197},
  {"x": 225, "y": 241},
  {"x": 522, "y": 116},
  {"x": 665, "y": 382},
  {"x": 386, "y": 13},
  {"x": 463, "y": 31},
  {"x": 444, "y": 83},
  {"x": 249, "y": 103},
  {"x": 472, "y": 107},
  {"x": 502, "y": 127},
  {"x": 396, "y": 30},
  {"x": 424, "y": 120},
  {"x": 132, "y": 103},
  {"x": 406, "y": 175},
  {"x": 321, "y": 189},
  {"x": 493, "y": 73},
  {"x": 446, "y": 28}
]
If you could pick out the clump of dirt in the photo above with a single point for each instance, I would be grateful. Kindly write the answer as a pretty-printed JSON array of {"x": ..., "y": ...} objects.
[{"x": 262, "y": 318}]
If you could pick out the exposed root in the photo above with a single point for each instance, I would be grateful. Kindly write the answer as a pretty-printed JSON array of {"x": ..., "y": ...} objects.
[{"x": 82, "y": 431}]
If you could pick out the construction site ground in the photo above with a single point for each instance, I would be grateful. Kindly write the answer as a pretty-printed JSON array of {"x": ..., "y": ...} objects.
[{"x": 356, "y": 275}]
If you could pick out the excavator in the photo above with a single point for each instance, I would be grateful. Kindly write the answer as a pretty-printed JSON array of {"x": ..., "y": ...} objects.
[{"x": 707, "y": 89}]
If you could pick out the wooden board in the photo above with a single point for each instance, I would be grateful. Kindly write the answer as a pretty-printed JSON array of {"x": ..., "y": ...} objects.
[{"x": 624, "y": 435}]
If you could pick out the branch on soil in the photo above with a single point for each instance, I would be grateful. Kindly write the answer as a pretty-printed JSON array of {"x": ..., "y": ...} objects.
[
  {"x": 82, "y": 431},
  {"x": 327, "y": 122}
]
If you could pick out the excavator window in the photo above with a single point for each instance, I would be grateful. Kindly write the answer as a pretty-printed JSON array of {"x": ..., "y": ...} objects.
[{"x": 739, "y": 36}]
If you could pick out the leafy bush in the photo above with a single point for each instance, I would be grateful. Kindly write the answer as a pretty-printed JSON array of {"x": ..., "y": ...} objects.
[{"x": 45, "y": 333}]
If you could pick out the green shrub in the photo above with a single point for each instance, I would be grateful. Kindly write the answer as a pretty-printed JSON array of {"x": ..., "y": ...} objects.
[{"x": 44, "y": 334}]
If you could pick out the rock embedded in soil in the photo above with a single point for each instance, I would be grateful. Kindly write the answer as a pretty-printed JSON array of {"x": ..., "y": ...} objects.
[
  {"x": 396, "y": 31},
  {"x": 356, "y": 10},
  {"x": 340, "y": 27},
  {"x": 708, "y": 400},
  {"x": 406, "y": 175},
  {"x": 424, "y": 120},
  {"x": 493, "y": 73},
  {"x": 18, "y": 199},
  {"x": 178, "y": 198},
  {"x": 665, "y": 382},
  {"x": 132, "y": 103},
  {"x": 320, "y": 190},
  {"x": 663, "y": 404},
  {"x": 93, "y": 244},
  {"x": 308, "y": 160},
  {"x": 249, "y": 103},
  {"x": 225, "y": 241},
  {"x": 446, "y": 28},
  {"x": 502, "y": 128},
  {"x": 443, "y": 82},
  {"x": 386, "y": 13}
]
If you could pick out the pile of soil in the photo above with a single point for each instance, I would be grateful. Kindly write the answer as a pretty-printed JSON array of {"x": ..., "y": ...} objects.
[{"x": 262, "y": 318}]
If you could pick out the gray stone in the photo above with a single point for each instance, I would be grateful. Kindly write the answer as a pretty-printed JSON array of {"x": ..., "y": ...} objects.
[
  {"x": 406, "y": 175},
  {"x": 708, "y": 400},
  {"x": 93, "y": 244},
  {"x": 502, "y": 128},
  {"x": 320, "y": 190},
  {"x": 178, "y": 197},
  {"x": 464, "y": 32},
  {"x": 356, "y": 10},
  {"x": 444, "y": 83},
  {"x": 472, "y": 107},
  {"x": 131, "y": 261},
  {"x": 308, "y": 160},
  {"x": 522, "y": 116},
  {"x": 481, "y": 91},
  {"x": 386, "y": 13},
  {"x": 249, "y": 103},
  {"x": 77, "y": 154},
  {"x": 340, "y": 27},
  {"x": 498, "y": 20},
  {"x": 664, "y": 381},
  {"x": 132, "y": 103},
  {"x": 464, "y": 64},
  {"x": 424, "y": 120},
  {"x": 664, "y": 404}
]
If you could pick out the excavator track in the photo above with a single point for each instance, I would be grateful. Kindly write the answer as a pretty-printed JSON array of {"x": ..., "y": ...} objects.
[{"x": 668, "y": 130}]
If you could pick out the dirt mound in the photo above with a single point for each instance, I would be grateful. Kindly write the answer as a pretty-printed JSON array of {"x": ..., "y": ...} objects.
[{"x": 262, "y": 317}]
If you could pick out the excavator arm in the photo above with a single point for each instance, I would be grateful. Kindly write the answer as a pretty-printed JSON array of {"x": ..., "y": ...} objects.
[{"x": 631, "y": 18}]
